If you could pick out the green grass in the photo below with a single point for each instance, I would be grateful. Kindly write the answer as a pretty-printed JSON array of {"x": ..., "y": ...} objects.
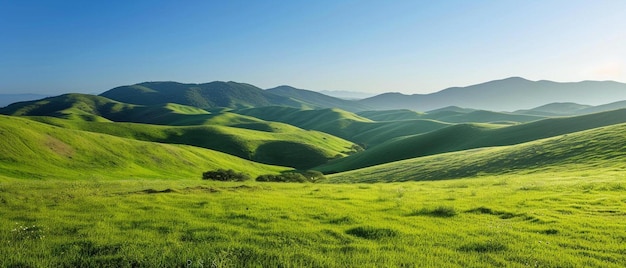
[
  {"x": 349, "y": 126},
  {"x": 264, "y": 142},
  {"x": 542, "y": 219},
  {"x": 470, "y": 136},
  {"x": 451, "y": 115},
  {"x": 35, "y": 150},
  {"x": 595, "y": 150}
]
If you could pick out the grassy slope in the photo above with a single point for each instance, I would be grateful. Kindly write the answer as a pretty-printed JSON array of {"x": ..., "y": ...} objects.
[
  {"x": 345, "y": 124},
  {"x": 451, "y": 115},
  {"x": 36, "y": 150},
  {"x": 272, "y": 143},
  {"x": 591, "y": 151},
  {"x": 243, "y": 136},
  {"x": 468, "y": 136}
]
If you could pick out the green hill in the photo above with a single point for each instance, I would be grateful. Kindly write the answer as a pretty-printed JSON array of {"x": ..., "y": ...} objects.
[
  {"x": 273, "y": 143},
  {"x": 344, "y": 124},
  {"x": 243, "y": 136},
  {"x": 481, "y": 116},
  {"x": 468, "y": 136},
  {"x": 451, "y": 114},
  {"x": 592, "y": 150},
  {"x": 86, "y": 107},
  {"x": 36, "y": 151},
  {"x": 207, "y": 95},
  {"x": 555, "y": 109}
]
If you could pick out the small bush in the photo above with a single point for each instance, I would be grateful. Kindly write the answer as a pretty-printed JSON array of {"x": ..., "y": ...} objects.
[
  {"x": 293, "y": 176},
  {"x": 225, "y": 175},
  {"x": 285, "y": 177}
]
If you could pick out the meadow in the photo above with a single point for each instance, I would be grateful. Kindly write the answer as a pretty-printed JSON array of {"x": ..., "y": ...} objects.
[{"x": 567, "y": 219}]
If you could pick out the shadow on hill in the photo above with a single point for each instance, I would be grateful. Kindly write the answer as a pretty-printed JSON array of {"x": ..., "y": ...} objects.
[{"x": 300, "y": 156}]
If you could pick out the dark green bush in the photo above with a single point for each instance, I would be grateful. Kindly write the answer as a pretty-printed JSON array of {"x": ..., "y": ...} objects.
[
  {"x": 225, "y": 175},
  {"x": 285, "y": 177},
  {"x": 293, "y": 176}
]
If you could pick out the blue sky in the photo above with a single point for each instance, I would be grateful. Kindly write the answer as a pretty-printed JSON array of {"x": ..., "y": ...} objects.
[{"x": 54, "y": 47}]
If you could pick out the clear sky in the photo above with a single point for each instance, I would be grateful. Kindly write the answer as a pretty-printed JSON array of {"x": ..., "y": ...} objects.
[{"x": 412, "y": 46}]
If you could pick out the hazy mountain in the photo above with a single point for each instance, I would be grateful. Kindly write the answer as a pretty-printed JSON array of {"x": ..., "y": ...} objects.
[
  {"x": 347, "y": 95},
  {"x": 603, "y": 108},
  {"x": 555, "y": 109},
  {"x": 207, "y": 95},
  {"x": 6, "y": 99},
  {"x": 317, "y": 100},
  {"x": 505, "y": 95}
]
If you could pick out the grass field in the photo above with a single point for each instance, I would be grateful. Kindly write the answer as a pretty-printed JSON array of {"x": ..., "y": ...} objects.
[{"x": 539, "y": 220}]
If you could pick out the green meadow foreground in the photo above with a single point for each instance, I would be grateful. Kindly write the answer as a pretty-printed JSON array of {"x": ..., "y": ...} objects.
[{"x": 566, "y": 219}]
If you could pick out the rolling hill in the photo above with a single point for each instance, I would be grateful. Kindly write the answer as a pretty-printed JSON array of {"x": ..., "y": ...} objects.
[
  {"x": 344, "y": 124},
  {"x": 36, "y": 150},
  {"x": 452, "y": 114},
  {"x": 469, "y": 136},
  {"x": 586, "y": 151},
  {"x": 239, "y": 135},
  {"x": 504, "y": 95},
  {"x": 282, "y": 145}
]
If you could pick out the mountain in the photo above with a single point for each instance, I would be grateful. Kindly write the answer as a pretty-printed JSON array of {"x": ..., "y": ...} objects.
[
  {"x": 509, "y": 94},
  {"x": 317, "y": 100},
  {"x": 586, "y": 151},
  {"x": 208, "y": 95},
  {"x": 6, "y": 99}
]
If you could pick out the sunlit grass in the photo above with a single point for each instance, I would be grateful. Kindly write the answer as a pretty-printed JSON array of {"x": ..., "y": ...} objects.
[{"x": 522, "y": 220}]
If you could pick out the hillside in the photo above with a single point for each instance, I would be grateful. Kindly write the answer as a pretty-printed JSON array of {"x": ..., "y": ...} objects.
[
  {"x": 469, "y": 136},
  {"x": 207, "y": 95},
  {"x": 504, "y": 95},
  {"x": 316, "y": 99},
  {"x": 451, "y": 114},
  {"x": 275, "y": 144},
  {"x": 591, "y": 150},
  {"x": 346, "y": 125},
  {"x": 555, "y": 109},
  {"x": 39, "y": 151}
]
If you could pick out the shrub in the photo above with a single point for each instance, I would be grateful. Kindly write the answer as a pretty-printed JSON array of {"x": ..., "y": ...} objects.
[
  {"x": 285, "y": 177},
  {"x": 313, "y": 175},
  {"x": 293, "y": 176},
  {"x": 225, "y": 175}
]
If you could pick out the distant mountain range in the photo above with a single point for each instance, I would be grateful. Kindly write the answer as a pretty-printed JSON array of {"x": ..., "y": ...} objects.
[
  {"x": 511, "y": 94},
  {"x": 504, "y": 95}
]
